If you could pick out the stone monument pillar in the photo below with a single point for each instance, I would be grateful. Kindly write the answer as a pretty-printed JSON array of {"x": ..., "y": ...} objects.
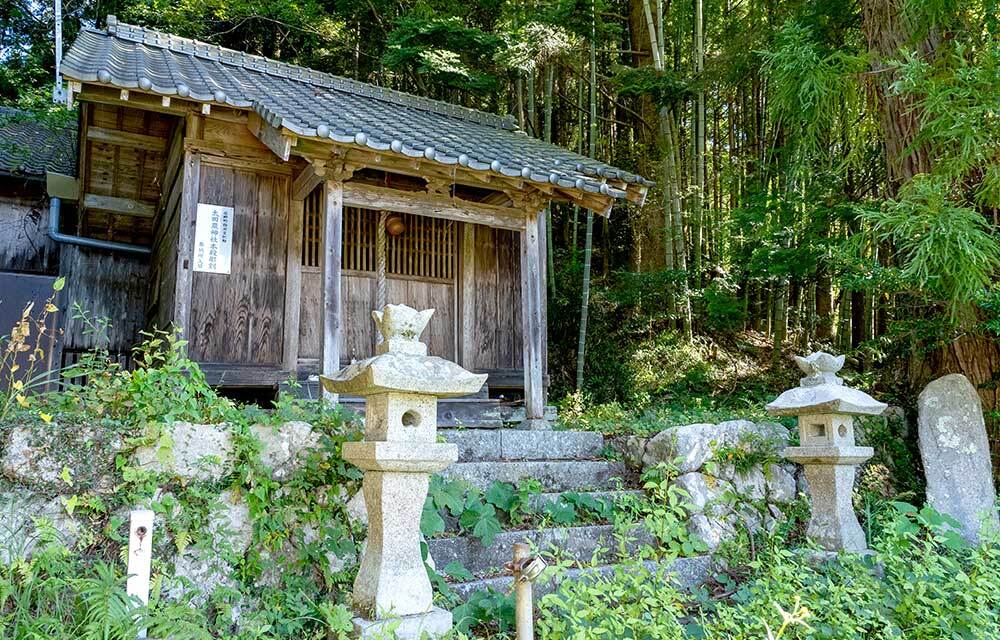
[
  {"x": 825, "y": 409},
  {"x": 401, "y": 385}
]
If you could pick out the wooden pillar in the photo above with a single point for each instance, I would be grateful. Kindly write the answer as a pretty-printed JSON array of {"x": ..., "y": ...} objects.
[
  {"x": 467, "y": 292},
  {"x": 532, "y": 292},
  {"x": 293, "y": 287},
  {"x": 185, "y": 241},
  {"x": 543, "y": 267},
  {"x": 333, "y": 221}
]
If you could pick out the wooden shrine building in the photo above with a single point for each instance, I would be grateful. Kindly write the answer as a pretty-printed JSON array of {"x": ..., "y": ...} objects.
[{"x": 279, "y": 205}]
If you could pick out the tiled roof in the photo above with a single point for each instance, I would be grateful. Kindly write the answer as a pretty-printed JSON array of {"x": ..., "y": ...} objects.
[
  {"x": 29, "y": 147},
  {"x": 312, "y": 104}
]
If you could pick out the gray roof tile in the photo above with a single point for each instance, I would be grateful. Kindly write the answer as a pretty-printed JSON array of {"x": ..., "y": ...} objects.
[
  {"x": 30, "y": 147},
  {"x": 319, "y": 105}
]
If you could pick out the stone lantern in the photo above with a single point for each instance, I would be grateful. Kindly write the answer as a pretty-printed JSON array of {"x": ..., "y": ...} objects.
[
  {"x": 825, "y": 409},
  {"x": 401, "y": 385}
]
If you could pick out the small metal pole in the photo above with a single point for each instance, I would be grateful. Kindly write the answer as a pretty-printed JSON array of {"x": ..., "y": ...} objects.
[
  {"x": 522, "y": 593},
  {"x": 140, "y": 556}
]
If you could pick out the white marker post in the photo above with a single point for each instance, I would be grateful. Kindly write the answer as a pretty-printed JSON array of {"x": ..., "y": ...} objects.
[{"x": 140, "y": 556}]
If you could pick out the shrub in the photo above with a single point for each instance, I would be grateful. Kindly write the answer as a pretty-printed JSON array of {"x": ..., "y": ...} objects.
[{"x": 922, "y": 583}]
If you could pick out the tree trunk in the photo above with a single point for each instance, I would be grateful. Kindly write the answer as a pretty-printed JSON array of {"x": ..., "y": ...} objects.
[
  {"x": 551, "y": 266},
  {"x": 888, "y": 30},
  {"x": 699, "y": 143},
  {"x": 588, "y": 250}
]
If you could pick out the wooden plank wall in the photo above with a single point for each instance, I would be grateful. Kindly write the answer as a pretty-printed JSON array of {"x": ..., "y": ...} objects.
[
  {"x": 358, "y": 338},
  {"x": 108, "y": 285},
  {"x": 239, "y": 317},
  {"x": 163, "y": 259},
  {"x": 494, "y": 300}
]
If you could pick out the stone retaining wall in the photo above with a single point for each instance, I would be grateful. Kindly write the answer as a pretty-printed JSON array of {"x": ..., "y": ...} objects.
[{"x": 53, "y": 475}]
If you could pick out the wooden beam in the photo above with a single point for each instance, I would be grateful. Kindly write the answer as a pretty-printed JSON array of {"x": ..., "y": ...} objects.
[
  {"x": 62, "y": 186},
  {"x": 123, "y": 206},
  {"x": 293, "y": 285},
  {"x": 126, "y": 139},
  {"x": 467, "y": 291},
  {"x": 308, "y": 179},
  {"x": 185, "y": 241},
  {"x": 333, "y": 220},
  {"x": 248, "y": 156},
  {"x": 532, "y": 291},
  {"x": 366, "y": 196},
  {"x": 279, "y": 143}
]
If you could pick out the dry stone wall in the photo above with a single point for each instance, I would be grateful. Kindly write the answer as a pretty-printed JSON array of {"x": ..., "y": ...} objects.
[
  {"x": 51, "y": 473},
  {"x": 725, "y": 495}
]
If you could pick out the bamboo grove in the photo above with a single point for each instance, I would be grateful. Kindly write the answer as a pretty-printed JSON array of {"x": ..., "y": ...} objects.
[{"x": 827, "y": 172}]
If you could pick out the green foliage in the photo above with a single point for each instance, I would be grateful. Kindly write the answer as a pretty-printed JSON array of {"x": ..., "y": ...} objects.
[
  {"x": 722, "y": 309},
  {"x": 808, "y": 88},
  {"x": 668, "y": 512},
  {"x": 55, "y": 594},
  {"x": 164, "y": 386},
  {"x": 632, "y": 602},
  {"x": 934, "y": 586},
  {"x": 924, "y": 583},
  {"x": 445, "y": 50},
  {"x": 286, "y": 584},
  {"x": 487, "y": 607},
  {"x": 948, "y": 250},
  {"x": 749, "y": 451},
  {"x": 480, "y": 518}
]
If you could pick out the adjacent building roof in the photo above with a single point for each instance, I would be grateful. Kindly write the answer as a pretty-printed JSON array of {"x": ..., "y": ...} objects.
[
  {"x": 313, "y": 104},
  {"x": 30, "y": 146}
]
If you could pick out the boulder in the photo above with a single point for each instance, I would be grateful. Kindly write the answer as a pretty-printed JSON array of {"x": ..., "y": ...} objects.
[
  {"x": 230, "y": 523},
  {"x": 200, "y": 571},
  {"x": 781, "y": 486},
  {"x": 633, "y": 449},
  {"x": 28, "y": 459},
  {"x": 285, "y": 447},
  {"x": 956, "y": 454},
  {"x": 36, "y": 455},
  {"x": 28, "y": 520},
  {"x": 750, "y": 485},
  {"x": 704, "y": 491},
  {"x": 196, "y": 452},
  {"x": 691, "y": 446}
]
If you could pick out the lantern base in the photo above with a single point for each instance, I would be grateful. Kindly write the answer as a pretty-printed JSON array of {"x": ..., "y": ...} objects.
[{"x": 434, "y": 624}]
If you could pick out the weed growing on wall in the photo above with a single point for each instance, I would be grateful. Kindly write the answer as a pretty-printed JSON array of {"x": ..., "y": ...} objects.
[{"x": 298, "y": 565}]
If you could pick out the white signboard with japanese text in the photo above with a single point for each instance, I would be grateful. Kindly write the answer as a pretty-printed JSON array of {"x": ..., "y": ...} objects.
[{"x": 213, "y": 239}]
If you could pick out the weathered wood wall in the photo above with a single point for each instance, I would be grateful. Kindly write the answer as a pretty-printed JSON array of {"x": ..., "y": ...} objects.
[
  {"x": 239, "y": 317},
  {"x": 493, "y": 296},
  {"x": 107, "y": 285},
  {"x": 24, "y": 220},
  {"x": 163, "y": 259},
  {"x": 492, "y": 299}
]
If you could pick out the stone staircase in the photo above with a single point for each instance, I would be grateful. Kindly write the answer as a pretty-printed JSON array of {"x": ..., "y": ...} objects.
[{"x": 562, "y": 461}]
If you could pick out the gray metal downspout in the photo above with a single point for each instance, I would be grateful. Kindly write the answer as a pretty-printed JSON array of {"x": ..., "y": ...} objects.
[{"x": 55, "y": 204}]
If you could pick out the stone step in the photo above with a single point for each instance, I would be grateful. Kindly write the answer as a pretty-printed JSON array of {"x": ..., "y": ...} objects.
[
  {"x": 539, "y": 501},
  {"x": 559, "y": 475},
  {"x": 577, "y": 543},
  {"x": 685, "y": 573},
  {"x": 480, "y": 445}
]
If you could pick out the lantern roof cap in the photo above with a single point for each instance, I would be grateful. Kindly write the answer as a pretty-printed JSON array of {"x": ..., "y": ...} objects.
[
  {"x": 401, "y": 364},
  {"x": 822, "y": 391}
]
